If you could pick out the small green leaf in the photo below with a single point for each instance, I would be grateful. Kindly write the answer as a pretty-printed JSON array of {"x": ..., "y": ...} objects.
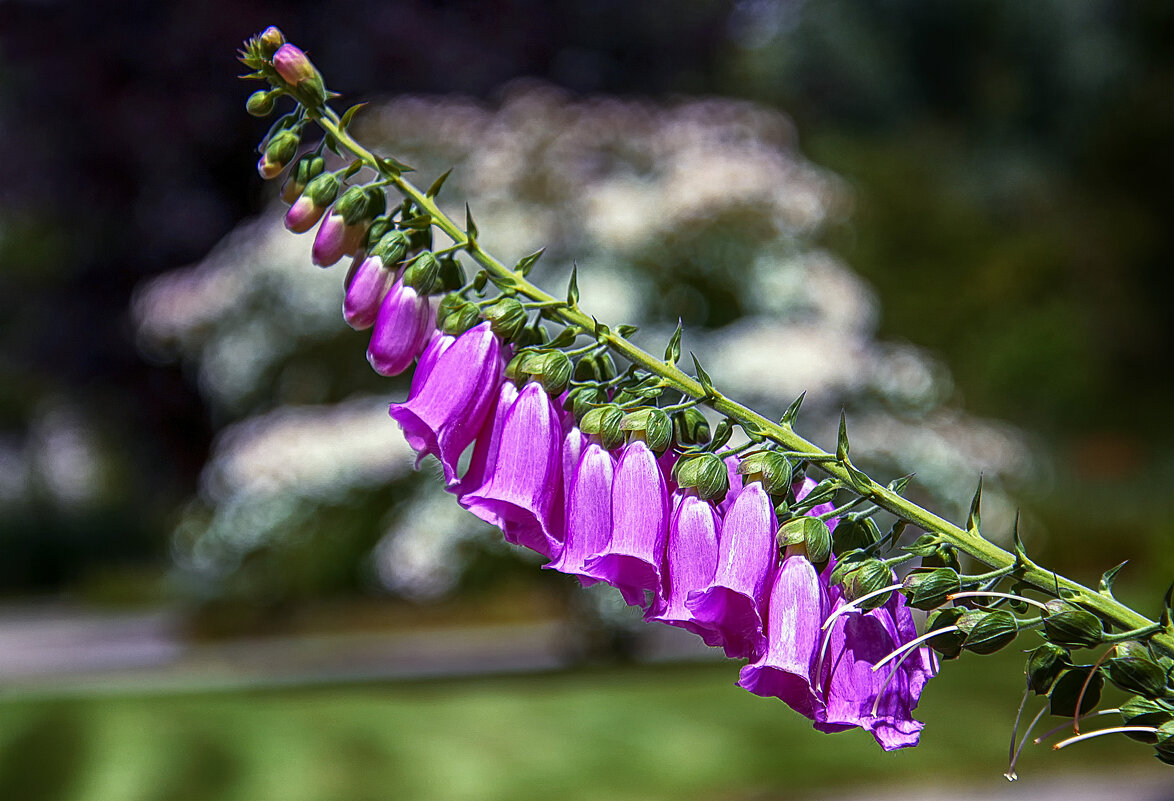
[
  {"x": 1020, "y": 551},
  {"x": 1108, "y": 577},
  {"x": 860, "y": 482},
  {"x": 703, "y": 377},
  {"x": 601, "y": 329},
  {"x": 395, "y": 166},
  {"x": 420, "y": 222},
  {"x": 974, "y": 519},
  {"x": 573, "y": 286},
  {"x": 434, "y": 190},
  {"x": 526, "y": 263},
  {"x": 672, "y": 354},
  {"x": 842, "y": 439},
  {"x": 565, "y": 337},
  {"x": 792, "y": 412},
  {"x": 626, "y": 331},
  {"x": 351, "y": 169},
  {"x": 898, "y": 485},
  {"x": 349, "y": 115}
]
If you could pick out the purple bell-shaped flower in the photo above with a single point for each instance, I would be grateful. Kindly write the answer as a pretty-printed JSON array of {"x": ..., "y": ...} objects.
[
  {"x": 588, "y": 518},
  {"x": 367, "y": 286},
  {"x": 402, "y": 327},
  {"x": 449, "y": 403},
  {"x": 689, "y": 564},
  {"x": 522, "y": 493},
  {"x": 488, "y": 441},
  {"x": 733, "y": 604},
  {"x": 640, "y": 508}
]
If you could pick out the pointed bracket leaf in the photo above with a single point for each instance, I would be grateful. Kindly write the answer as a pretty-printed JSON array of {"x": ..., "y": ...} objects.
[
  {"x": 672, "y": 354},
  {"x": 470, "y": 226},
  {"x": 974, "y": 518},
  {"x": 573, "y": 286},
  {"x": 626, "y": 331},
  {"x": 1108, "y": 577},
  {"x": 897, "y": 485},
  {"x": 860, "y": 482},
  {"x": 842, "y": 445},
  {"x": 703, "y": 377},
  {"x": 394, "y": 166},
  {"x": 788, "y": 418},
  {"x": 352, "y": 168},
  {"x": 601, "y": 329},
  {"x": 1021, "y": 559},
  {"x": 349, "y": 115},
  {"x": 434, "y": 190},
  {"x": 526, "y": 263},
  {"x": 1168, "y": 608}
]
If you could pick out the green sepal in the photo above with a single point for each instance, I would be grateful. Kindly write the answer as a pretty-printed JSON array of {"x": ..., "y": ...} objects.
[
  {"x": 925, "y": 545},
  {"x": 1139, "y": 711},
  {"x": 507, "y": 317},
  {"x": 789, "y": 416},
  {"x": 556, "y": 372},
  {"x": 703, "y": 377},
  {"x": 573, "y": 286},
  {"x": 452, "y": 274},
  {"x": 690, "y": 427},
  {"x": 854, "y": 534},
  {"x": 422, "y": 272},
  {"x": 929, "y": 590},
  {"x": 583, "y": 399},
  {"x": 842, "y": 445},
  {"x": 1070, "y": 626},
  {"x": 604, "y": 422},
  {"x": 1133, "y": 671},
  {"x": 1044, "y": 664},
  {"x": 564, "y": 338},
  {"x": 869, "y": 576},
  {"x": 948, "y": 645},
  {"x": 391, "y": 247},
  {"x": 992, "y": 632},
  {"x": 706, "y": 472},
  {"x": 721, "y": 434},
  {"x": 812, "y": 532}
]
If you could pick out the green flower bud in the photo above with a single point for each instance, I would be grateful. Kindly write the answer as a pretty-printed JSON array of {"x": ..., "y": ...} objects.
[
  {"x": 279, "y": 152},
  {"x": 595, "y": 367},
  {"x": 307, "y": 169},
  {"x": 1062, "y": 698},
  {"x": 456, "y": 315},
  {"x": 391, "y": 247},
  {"x": 421, "y": 273},
  {"x": 1068, "y": 625},
  {"x": 869, "y": 575},
  {"x": 1133, "y": 671},
  {"x": 583, "y": 399},
  {"x": 948, "y": 645},
  {"x": 1145, "y": 712},
  {"x": 452, "y": 274},
  {"x": 604, "y": 422},
  {"x": 776, "y": 479},
  {"x": 507, "y": 317},
  {"x": 526, "y": 362},
  {"x": 705, "y": 472},
  {"x": 653, "y": 423},
  {"x": 1044, "y": 664},
  {"x": 260, "y": 103},
  {"x": 991, "y": 632},
  {"x": 690, "y": 427},
  {"x": 812, "y": 533},
  {"x": 270, "y": 41},
  {"x": 928, "y": 591},
  {"x": 556, "y": 372},
  {"x": 852, "y": 534},
  {"x": 322, "y": 190}
]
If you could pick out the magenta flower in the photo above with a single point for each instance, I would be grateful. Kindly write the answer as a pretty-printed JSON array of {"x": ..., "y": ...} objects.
[
  {"x": 588, "y": 505},
  {"x": 798, "y": 607},
  {"x": 449, "y": 402},
  {"x": 367, "y": 286},
  {"x": 488, "y": 441},
  {"x": 438, "y": 343},
  {"x": 639, "y": 511},
  {"x": 335, "y": 238},
  {"x": 293, "y": 65},
  {"x": 852, "y": 694},
  {"x": 402, "y": 327},
  {"x": 733, "y": 605},
  {"x": 522, "y": 491},
  {"x": 689, "y": 564}
]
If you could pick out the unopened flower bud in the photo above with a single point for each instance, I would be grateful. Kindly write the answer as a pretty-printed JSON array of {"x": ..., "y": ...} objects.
[
  {"x": 368, "y": 285},
  {"x": 1080, "y": 682},
  {"x": 604, "y": 422},
  {"x": 336, "y": 236},
  {"x": 853, "y": 533},
  {"x": 1044, "y": 664},
  {"x": 452, "y": 274},
  {"x": 456, "y": 315},
  {"x": 1134, "y": 671},
  {"x": 1068, "y": 625},
  {"x": 813, "y": 534},
  {"x": 556, "y": 372},
  {"x": 295, "y": 69},
  {"x": 868, "y": 576},
  {"x": 929, "y": 590},
  {"x": 991, "y": 632},
  {"x": 270, "y": 41},
  {"x": 260, "y": 103},
  {"x": 690, "y": 427},
  {"x": 507, "y": 318},
  {"x": 1165, "y": 742},
  {"x": 391, "y": 247},
  {"x": 653, "y": 423},
  {"x": 308, "y": 209},
  {"x": 309, "y": 167},
  {"x": 421, "y": 273},
  {"x": 949, "y": 645},
  {"x": 278, "y": 153}
]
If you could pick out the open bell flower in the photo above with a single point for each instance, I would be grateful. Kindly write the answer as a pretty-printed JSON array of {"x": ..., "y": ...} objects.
[
  {"x": 486, "y": 446},
  {"x": 451, "y": 395},
  {"x": 690, "y": 561},
  {"x": 732, "y": 605},
  {"x": 588, "y": 522},
  {"x": 522, "y": 493},
  {"x": 640, "y": 508},
  {"x": 403, "y": 325}
]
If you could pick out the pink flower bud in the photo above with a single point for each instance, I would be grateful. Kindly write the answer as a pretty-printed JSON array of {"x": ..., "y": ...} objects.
[
  {"x": 292, "y": 65},
  {"x": 303, "y": 215},
  {"x": 336, "y": 239},
  {"x": 366, "y": 289}
]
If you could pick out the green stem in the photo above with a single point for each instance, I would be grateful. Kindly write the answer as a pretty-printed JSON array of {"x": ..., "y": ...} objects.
[{"x": 969, "y": 542}]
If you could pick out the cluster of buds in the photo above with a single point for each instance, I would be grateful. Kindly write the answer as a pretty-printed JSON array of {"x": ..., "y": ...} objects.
[{"x": 595, "y": 470}]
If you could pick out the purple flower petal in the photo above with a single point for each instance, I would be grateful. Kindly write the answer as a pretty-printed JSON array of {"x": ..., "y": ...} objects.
[
  {"x": 690, "y": 561},
  {"x": 445, "y": 412},
  {"x": 732, "y": 605},
  {"x": 402, "y": 328},
  {"x": 588, "y": 518},
  {"x": 369, "y": 283},
  {"x": 639, "y": 504},
  {"x": 522, "y": 493},
  {"x": 488, "y": 441}
]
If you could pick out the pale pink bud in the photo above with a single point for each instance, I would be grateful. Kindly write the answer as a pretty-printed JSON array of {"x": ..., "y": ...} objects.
[
  {"x": 336, "y": 239},
  {"x": 303, "y": 215},
  {"x": 292, "y": 65},
  {"x": 366, "y": 288}
]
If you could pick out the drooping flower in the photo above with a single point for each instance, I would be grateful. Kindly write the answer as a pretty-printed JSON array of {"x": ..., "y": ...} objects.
[
  {"x": 852, "y": 693},
  {"x": 488, "y": 440},
  {"x": 522, "y": 492},
  {"x": 798, "y": 606},
  {"x": 344, "y": 228},
  {"x": 366, "y": 288},
  {"x": 438, "y": 343},
  {"x": 588, "y": 522},
  {"x": 640, "y": 508},
  {"x": 403, "y": 325},
  {"x": 309, "y": 207},
  {"x": 732, "y": 605},
  {"x": 449, "y": 402},
  {"x": 690, "y": 561}
]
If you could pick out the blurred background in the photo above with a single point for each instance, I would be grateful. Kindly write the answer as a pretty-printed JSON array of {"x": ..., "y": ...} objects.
[{"x": 219, "y": 576}]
